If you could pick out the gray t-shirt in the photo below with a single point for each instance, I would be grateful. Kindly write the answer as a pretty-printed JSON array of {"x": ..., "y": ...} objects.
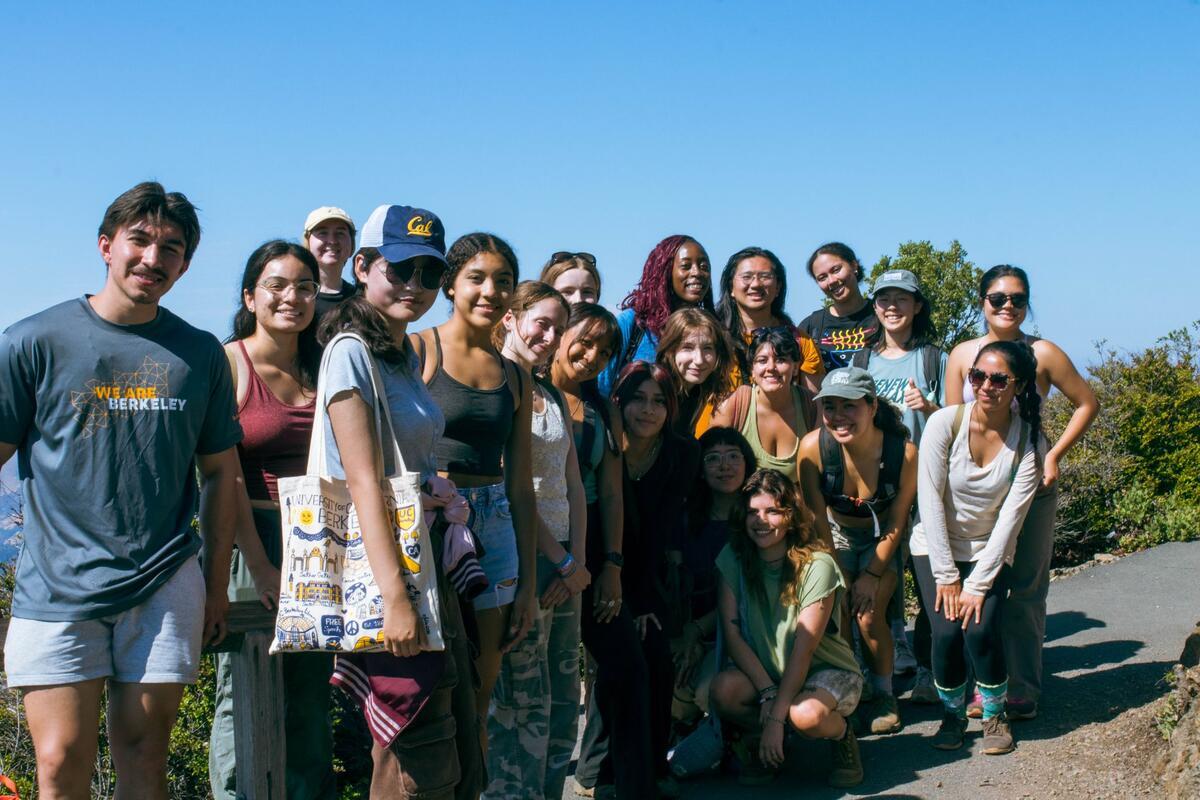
[
  {"x": 419, "y": 421},
  {"x": 108, "y": 420},
  {"x": 891, "y": 379}
]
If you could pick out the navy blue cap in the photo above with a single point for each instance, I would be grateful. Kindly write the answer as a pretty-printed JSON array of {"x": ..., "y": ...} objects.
[{"x": 403, "y": 232}]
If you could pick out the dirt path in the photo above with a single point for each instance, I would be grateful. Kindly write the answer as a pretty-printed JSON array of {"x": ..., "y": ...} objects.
[{"x": 1112, "y": 634}]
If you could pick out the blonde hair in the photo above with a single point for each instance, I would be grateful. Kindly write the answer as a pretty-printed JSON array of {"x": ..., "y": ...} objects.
[{"x": 555, "y": 270}]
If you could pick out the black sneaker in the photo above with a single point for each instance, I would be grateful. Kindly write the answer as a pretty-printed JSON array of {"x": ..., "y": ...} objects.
[{"x": 950, "y": 734}]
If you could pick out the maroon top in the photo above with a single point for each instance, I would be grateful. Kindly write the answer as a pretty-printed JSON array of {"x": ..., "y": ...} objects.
[{"x": 275, "y": 436}]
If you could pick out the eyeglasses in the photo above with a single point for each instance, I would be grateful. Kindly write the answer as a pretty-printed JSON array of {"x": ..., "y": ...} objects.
[
  {"x": 747, "y": 279},
  {"x": 732, "y": 458},
  {"x": 563, "y": 255},
  {"x": 999, "y": 380},
  {"x": 301, "y": 290},
  {"x": 430, "y": 273},
  {"x": 999, "y": 299}
]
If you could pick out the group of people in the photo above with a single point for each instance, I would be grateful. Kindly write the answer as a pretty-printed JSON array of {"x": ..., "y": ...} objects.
[{"x": 718, "y": 503}]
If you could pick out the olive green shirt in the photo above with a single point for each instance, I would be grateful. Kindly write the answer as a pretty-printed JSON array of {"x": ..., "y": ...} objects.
[{"x": 770, "y": 630}]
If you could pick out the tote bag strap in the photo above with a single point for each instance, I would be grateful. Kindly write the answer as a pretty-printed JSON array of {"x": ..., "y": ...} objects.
[{"x": 317, "y": 463}]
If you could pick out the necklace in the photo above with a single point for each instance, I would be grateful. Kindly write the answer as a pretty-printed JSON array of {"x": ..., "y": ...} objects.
[
  {"x": 574, "y": 405},
  {"x": 647, "y": 461}
]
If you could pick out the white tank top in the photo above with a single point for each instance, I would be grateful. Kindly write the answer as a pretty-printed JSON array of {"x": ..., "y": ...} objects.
[{"x": 548, "y": 452}]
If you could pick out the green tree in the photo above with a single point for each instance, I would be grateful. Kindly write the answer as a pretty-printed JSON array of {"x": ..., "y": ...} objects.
[{"x": 948, "y": 280}]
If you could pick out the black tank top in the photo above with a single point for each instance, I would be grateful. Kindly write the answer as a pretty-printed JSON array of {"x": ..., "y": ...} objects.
[{"x": 478, "y": 421}]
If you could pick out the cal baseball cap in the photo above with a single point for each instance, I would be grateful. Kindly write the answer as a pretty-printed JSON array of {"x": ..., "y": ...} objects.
[
  {"x": 403, "y": 232},
  {"x": 897, "y": 279},
  {"x": 324, "y": 214},
  {"x": 848, "y": 383}
]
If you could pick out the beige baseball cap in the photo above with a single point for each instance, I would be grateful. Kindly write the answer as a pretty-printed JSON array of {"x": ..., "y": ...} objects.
[{"x": 324, "y": 214}]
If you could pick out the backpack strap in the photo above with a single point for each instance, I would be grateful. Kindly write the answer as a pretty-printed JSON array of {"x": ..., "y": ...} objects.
[
  {"x": 833, "y": 471},
  {"x": 587, "y": 437},
  {"x": 893, "y": 465},
  {"x": 741, "y": 406},
  {"x": 636, "y": 334}
]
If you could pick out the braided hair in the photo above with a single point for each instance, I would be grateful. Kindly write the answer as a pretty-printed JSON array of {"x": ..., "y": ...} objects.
[
  {"x": 1023, "y": 363},
  {"x": 653, "y": 299}
]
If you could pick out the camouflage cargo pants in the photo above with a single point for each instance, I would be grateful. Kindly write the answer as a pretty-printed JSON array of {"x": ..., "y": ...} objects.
[{"x": 535, "y": 706}]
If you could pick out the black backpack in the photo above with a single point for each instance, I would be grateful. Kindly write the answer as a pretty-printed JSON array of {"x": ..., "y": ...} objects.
[{"x": 833, "y": 470}]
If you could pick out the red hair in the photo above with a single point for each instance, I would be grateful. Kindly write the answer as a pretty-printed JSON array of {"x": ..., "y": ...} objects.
[{"x": 653, "y": 299}]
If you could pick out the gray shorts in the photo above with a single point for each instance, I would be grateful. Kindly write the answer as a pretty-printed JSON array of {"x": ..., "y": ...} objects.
[
  {"x": 855, "y": 547},
  {"x": 845, "y": 686},
  {"x": 155, "y": 642}
]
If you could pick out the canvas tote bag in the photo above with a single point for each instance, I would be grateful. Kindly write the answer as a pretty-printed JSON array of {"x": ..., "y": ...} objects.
[{"x": 328, "y": 599}]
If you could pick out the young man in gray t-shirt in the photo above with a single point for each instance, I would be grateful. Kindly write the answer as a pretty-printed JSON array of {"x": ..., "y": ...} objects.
[{"x": 113, "y": 405}]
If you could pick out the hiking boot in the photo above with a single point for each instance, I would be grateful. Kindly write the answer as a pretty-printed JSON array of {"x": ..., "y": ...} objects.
[
  {"x": 847, "y": 762},
  {"x": 581, "y": 790},
  {"x": 997, "y": 737},
  {"x": 885, "y": 715},
  {"x": 1020, "y": 709},
  {"x": 923, "y": 691},
  {"x": 753, "y": 772},
  {"x": 950, "y": 734},
  {"x": 975, "y": 707}
]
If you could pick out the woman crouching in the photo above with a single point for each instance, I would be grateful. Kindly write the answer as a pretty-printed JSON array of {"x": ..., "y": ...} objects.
[{"x": 793, "y": 667}]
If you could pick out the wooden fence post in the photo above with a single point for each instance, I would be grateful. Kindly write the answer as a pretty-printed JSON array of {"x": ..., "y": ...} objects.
[{"x": 257, "y": 702}]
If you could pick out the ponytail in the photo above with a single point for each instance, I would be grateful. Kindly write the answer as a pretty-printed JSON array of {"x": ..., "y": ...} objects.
[{"x": 1023, "y": 364}]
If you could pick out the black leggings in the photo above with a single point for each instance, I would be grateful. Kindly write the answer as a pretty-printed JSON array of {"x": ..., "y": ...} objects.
[
  {"x": 983, "y": 643},
  {"x": 617, "y": 740}
]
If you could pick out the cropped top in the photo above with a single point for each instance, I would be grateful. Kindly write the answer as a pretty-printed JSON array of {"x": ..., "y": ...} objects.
[
  {"x": 478, "y": 421},
  {"x": 275, "y": 435},
  {"x": 833, "y": 473}
]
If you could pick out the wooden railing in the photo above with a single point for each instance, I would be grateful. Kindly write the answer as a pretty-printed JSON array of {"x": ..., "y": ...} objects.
[{"x": 257, "y": 700}]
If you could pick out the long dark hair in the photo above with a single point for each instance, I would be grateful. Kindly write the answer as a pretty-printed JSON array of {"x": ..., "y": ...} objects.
[
  {"x": 1023, "y": 363},
  {"x": 356, "y": 315},
  {"x": 633, "y": 375},
  {"x": 700, "y": 500},
  {"x": 802, "y": 539},
  {"x": 308, "y": 356},
  {"x": 653, "y": 299},
  {"x": 727, "y": 311}
]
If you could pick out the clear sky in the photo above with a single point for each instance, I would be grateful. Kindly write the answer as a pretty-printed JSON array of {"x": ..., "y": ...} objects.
[{"x": 1059, "y": 136}]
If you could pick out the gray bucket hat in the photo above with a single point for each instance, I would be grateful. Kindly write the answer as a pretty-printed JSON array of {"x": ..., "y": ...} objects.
[{"x": 848, "y": 383}]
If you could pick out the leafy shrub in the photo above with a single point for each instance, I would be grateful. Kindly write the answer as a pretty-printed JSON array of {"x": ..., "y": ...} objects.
[{"x": 1135, "y": 476}]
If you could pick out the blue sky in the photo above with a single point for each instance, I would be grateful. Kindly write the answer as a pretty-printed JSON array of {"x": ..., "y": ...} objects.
[{"x": 1060, "y": 136}]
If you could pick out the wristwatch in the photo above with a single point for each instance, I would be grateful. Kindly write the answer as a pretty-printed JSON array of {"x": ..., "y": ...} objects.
[{"x": 615, "y": 558}]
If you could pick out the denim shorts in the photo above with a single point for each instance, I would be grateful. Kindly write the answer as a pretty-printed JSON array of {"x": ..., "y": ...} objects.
[
  {"x": 491, "y": 522},
  {"x": 155, "y": 642}
]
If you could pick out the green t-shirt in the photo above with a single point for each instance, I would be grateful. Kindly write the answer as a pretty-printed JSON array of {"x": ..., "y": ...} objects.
[{"x": 771, "y": 630}]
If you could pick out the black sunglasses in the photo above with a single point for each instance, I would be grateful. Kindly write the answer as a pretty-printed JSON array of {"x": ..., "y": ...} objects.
[
  {"x": 999, "y": 380},
  {"x": 999, "y": 299},
  {"x": 563, "y": 255},
  {"x": 431, "y": 271}
]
